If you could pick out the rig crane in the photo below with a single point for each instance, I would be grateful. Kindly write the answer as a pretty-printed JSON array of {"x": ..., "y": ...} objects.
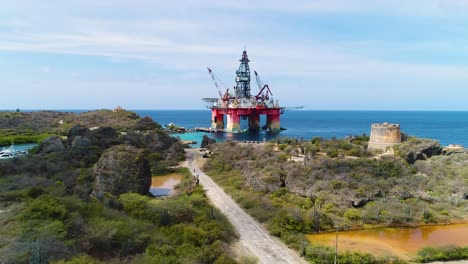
[
  {"x": 226, "y": 97},
  {"x": 213, "y": 77},
  {"x": 262, "y": 87}
]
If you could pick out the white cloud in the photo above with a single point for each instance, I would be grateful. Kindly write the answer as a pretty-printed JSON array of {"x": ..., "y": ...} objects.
[
  {"x": 186, "y": 36},
  {"x": 297, "y": 60}
]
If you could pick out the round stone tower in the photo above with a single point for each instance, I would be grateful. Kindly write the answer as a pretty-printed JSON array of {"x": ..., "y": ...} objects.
[{"x": 384, "y": 135}]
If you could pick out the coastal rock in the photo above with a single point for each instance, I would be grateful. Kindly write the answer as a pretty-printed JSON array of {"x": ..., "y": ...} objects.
[
  {"x": 105, "y": 133},
  {"x": 174, "y": 151},
  {"x": 157, "y": 141},
  {"x": 104, "y": 137},
  {"x": 77, "y": 130},
  {"x": 81, "y": 139},
  {"x": 360, "y": 202},
  {"x": 51, "y": 144},
  {"x": 207, "y": 141},
  {"x": 122, "y": 169},
  {"x": 424, "y": 152},
  {"x": 418, "y": 149},
  {"x": 80, "y": 144},
  {"x": 147, "y": 123}
]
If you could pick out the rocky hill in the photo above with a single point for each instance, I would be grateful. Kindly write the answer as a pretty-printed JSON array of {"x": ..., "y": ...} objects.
[
  {"x": 33, "y": 127},
  {"x": 107, "y": 118},
  {"x": 52, "y": 121},
  {"x": 38, "y": 121}
]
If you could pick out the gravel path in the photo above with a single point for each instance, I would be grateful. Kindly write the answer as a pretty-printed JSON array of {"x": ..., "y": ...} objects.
[{"x": 252, "y": 235}]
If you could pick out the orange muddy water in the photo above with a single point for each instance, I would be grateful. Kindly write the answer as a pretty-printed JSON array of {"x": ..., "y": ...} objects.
[
  {"x": 164, "y": 185},
  {"x": 402, "y": 242}
]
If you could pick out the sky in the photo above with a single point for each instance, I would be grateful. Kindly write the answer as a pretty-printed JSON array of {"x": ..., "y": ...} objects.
[{"x": 151, "y": 54}]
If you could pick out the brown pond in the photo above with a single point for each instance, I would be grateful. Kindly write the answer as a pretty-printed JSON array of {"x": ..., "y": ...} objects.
[
  {"x": 402, "y": 242},
  {"x": 164, "y": 185}
]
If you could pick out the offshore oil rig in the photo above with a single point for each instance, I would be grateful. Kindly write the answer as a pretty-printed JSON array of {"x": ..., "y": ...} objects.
[{"x": 242, "y": 105}]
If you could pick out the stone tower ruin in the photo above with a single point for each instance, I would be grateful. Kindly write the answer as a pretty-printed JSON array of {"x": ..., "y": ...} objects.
[{"x": 384, "y": 135}]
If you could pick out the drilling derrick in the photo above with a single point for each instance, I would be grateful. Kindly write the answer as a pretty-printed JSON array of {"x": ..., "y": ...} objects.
[
  {"x": 242, "y": 105},
  {"x": 243, "y": 77}
]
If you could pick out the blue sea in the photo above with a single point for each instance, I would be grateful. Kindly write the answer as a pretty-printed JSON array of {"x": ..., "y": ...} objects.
[{"x": 446, "y": 127}]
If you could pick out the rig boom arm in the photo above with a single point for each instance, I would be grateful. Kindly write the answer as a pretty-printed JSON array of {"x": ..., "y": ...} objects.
[
  {"x": 259, "y": 81},
  {"x": 215, "y": 82},
  {"x": 262, "y": 87}
]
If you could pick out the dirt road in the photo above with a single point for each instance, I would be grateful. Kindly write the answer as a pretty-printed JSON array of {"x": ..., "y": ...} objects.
[{"x": 252, "y": 235}]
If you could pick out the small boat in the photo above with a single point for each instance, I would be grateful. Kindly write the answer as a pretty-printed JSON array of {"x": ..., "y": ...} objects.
[{"x": 9, "y": 153}]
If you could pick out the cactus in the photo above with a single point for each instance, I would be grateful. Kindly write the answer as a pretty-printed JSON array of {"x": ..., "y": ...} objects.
[
  {"x": 315, "y": 215},
  {"x": 212, "y": 212},
  {"x": 38, "y": 256},
  {"x": 165, "y": 218},
  {"x": 126, "y": 248}
]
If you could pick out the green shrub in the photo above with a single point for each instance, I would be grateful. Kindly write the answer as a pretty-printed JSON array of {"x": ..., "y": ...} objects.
[
  {"x": 352, "y": 214},
  {"x": 134, "y": 204},
  {"x": 44, "y": 207},
  {"x": 428, "y": 216},
  {"x": 22, "y": 138},
  {"x": 80, "y": 259},
  {"x": 332, "y": 153},
  {"x": 146, "y": 258},
  {"x": 355, "y": 151},
  {"x": 248, "y": 260},
  {"x": 429, "y": 254},
  {"x": 318, "y": 254}
]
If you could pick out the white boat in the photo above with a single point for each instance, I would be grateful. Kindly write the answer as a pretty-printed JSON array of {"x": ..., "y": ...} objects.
[{"x": 8, "y": 153}]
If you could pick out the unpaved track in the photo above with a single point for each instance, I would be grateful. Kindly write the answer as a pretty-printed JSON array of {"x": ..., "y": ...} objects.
[{"x": 252, "y": 235}]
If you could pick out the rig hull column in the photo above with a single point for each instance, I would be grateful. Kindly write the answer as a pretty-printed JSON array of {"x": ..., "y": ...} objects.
[
  {"x": 273, "y": 120},
  {"x": 217, "y": 119},
  {"x": 233, "y": 121},
  {"x": 254, "y": 122}
]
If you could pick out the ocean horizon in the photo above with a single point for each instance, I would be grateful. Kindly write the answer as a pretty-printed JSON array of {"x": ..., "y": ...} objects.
[{"x": 448, "y": 127}]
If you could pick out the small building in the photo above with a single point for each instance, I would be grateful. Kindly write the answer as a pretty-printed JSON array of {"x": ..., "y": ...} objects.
[
  {"x": 453, "y": 148},
  {"x": 384, "y": 135},
  {"x": 119, "y": 109}
]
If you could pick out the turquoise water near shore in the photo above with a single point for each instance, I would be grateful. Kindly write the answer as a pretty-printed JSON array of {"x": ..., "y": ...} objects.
[
  {"x": 21, "y": 147},
  {"x": 447, "y": 127}
]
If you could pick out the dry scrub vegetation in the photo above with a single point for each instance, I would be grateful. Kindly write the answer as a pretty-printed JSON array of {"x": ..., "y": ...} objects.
[
  {"x": 338, "y": 183},
  {"x": 50, "y": 210}
]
